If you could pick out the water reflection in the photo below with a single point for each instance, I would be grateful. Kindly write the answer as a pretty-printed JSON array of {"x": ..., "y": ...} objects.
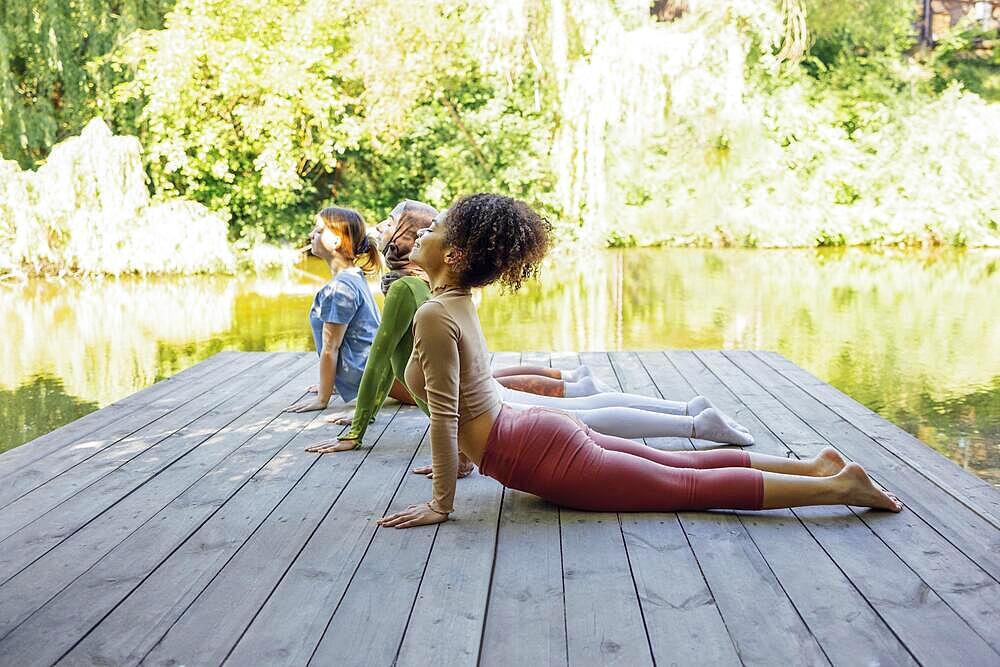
[{"x": 913, "y": 336}]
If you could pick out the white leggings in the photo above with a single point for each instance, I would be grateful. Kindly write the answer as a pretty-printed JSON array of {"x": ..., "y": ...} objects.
[{"x": 613, "y": 413}]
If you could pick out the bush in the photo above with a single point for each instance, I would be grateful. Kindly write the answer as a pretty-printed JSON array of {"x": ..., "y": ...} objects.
[{"x": 87, "y": 210}]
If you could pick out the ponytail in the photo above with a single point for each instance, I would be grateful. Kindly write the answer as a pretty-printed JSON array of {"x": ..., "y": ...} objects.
[{"x": 367, "y": 256}]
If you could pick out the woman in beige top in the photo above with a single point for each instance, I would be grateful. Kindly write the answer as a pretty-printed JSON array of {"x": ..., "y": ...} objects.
[{"x": 488, "y": 238}]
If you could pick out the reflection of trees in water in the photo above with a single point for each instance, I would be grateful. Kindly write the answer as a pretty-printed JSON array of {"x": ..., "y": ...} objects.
[
  {"x": 965, "y": 428},
  {"x": 35, "y": 408},
  {"x": 106, "y": 339},
  {"x": 825, "y": 310},
  {"x": 101, "y": 338}
]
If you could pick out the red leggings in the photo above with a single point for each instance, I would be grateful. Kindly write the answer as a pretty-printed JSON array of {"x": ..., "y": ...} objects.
[{"x": 548, "y": 453}]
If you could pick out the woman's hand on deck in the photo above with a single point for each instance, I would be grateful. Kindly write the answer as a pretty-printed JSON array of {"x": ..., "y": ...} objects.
[
  {"x": 330, "y": 446},
  {"x": 465, "y": 469},
  {"x": 341, "y": 420},
  {"x": 307, "y": 406},
  {"x": 313, "y": 389},
  {"x": 414, "y": 515}
]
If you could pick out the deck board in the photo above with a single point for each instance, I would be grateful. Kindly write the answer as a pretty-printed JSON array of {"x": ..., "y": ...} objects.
[
  {"x": 604, "y": 619},
  {"x": 202, "y": 634},
  {"x": 736, "y": 571},
  {"x": 186, "y": 525},
  {"x": 526, "y": 598}
]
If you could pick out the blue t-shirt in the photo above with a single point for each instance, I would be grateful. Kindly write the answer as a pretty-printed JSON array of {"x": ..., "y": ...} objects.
[{"x": 347, "y": 300}]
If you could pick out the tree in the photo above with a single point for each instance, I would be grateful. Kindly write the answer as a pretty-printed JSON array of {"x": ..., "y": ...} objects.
[{"x": 55, "y": 76}]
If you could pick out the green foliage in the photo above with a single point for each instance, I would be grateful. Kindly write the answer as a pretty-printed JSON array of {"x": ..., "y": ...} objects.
[
  {"x": 798, "y": 122},
  {"x": 267, "y": 110},
  {"x": 971, "y": 56},
  {"x": 842, "y": 31},
  {"x": 245, "y": 107},
  {"x": 54, "y": 76}
]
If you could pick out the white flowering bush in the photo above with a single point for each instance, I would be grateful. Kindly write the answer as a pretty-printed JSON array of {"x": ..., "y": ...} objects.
[{"x": 88, "y": 210}]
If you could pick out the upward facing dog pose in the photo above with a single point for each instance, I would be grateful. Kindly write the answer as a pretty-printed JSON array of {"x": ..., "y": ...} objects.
[
  {"x": 613, "y": 413},
  {"x": 343, "y": 316},
  {"x": 488, "y": 238}
]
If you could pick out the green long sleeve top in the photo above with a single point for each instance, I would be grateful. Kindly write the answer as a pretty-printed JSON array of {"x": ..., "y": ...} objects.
[{"x": 389, "y": 354}]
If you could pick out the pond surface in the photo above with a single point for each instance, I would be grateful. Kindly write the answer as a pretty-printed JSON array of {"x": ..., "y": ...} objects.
[{"x": 915, "y": 337}]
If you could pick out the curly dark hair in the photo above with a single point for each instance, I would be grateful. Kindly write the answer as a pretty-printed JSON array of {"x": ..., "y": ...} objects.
[{"x": 501, "y": 240}]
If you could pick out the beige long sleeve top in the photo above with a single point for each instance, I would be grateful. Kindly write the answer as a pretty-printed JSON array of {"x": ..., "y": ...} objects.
[{"x": 450, "y": 370}]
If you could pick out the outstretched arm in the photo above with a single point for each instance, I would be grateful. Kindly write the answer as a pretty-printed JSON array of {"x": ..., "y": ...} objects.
[
  {"x": 333, "y": 336},
  {"x": 397, "y": 317},
  {"x": 435, "y": 342}
]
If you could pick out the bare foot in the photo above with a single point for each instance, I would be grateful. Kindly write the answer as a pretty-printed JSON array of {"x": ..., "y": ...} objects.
[
  {"x": 711, "y": 425},
  {"x": 860, "y": 491},
  {"x": 828, "y": 462}
]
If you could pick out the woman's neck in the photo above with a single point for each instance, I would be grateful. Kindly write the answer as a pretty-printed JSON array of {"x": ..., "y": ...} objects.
[
  {"x": 443, "y": 279},
  {"x": 338, "y": 263}
]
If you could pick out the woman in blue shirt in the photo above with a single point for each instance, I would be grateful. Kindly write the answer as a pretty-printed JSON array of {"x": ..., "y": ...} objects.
[{"x": 343, "y": 317}]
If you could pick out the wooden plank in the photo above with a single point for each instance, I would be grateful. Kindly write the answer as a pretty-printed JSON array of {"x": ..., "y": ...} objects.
[
  {"x": 682, "y": 618},
  {"x": 526, "y": 591},
  {"x": 369, "y": 620},
  {"x": 604, "y": 623},
  {"x": 454, "y": 588},
  {"x": 526, "y": 594},
  {"x": 803, "y": 604},
  {"x": 967, "y": 530},
  {"x": 210, "y": 627},
  {"x": 446, "y": 625},
  {"x": 133, "y": 627},
  {"x": 676, "y": 609},
  {"x": 794, "y": 433},
  {"x": 978, "y": 494},
  {"x": 848, "y": 629},
  {"x": 38, "y": 537},
  {"x": 54, "y": 441},
  {"x": 505, "y": 360},
  {"x": 672, "y": 385},
  {"x": 763, "y": 623},
  {"x": 126, "y": 454},
  {"x": 931, "y": 630},
  {"x": 535, "y": 359},
  {"x": 635, "y": 380},
  {"x": 291, "y": 623},
  {"x": 71, "y": 451},
  {"x": 683, "y": 374},
  {"x": 566, "y": 361},
  {"x": 906, "y": 592},
  {"x": 170, "y": 505},
  {"x": 960, "y": 582},
  {"x": 105, "y": 580}
]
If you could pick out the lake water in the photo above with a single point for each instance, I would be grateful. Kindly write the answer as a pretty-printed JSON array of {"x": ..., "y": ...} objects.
[{"x": 914, "y": 336}]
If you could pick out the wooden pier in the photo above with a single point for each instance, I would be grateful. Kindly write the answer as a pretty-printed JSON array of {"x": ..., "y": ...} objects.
[{"x": 185, "y": 525}]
